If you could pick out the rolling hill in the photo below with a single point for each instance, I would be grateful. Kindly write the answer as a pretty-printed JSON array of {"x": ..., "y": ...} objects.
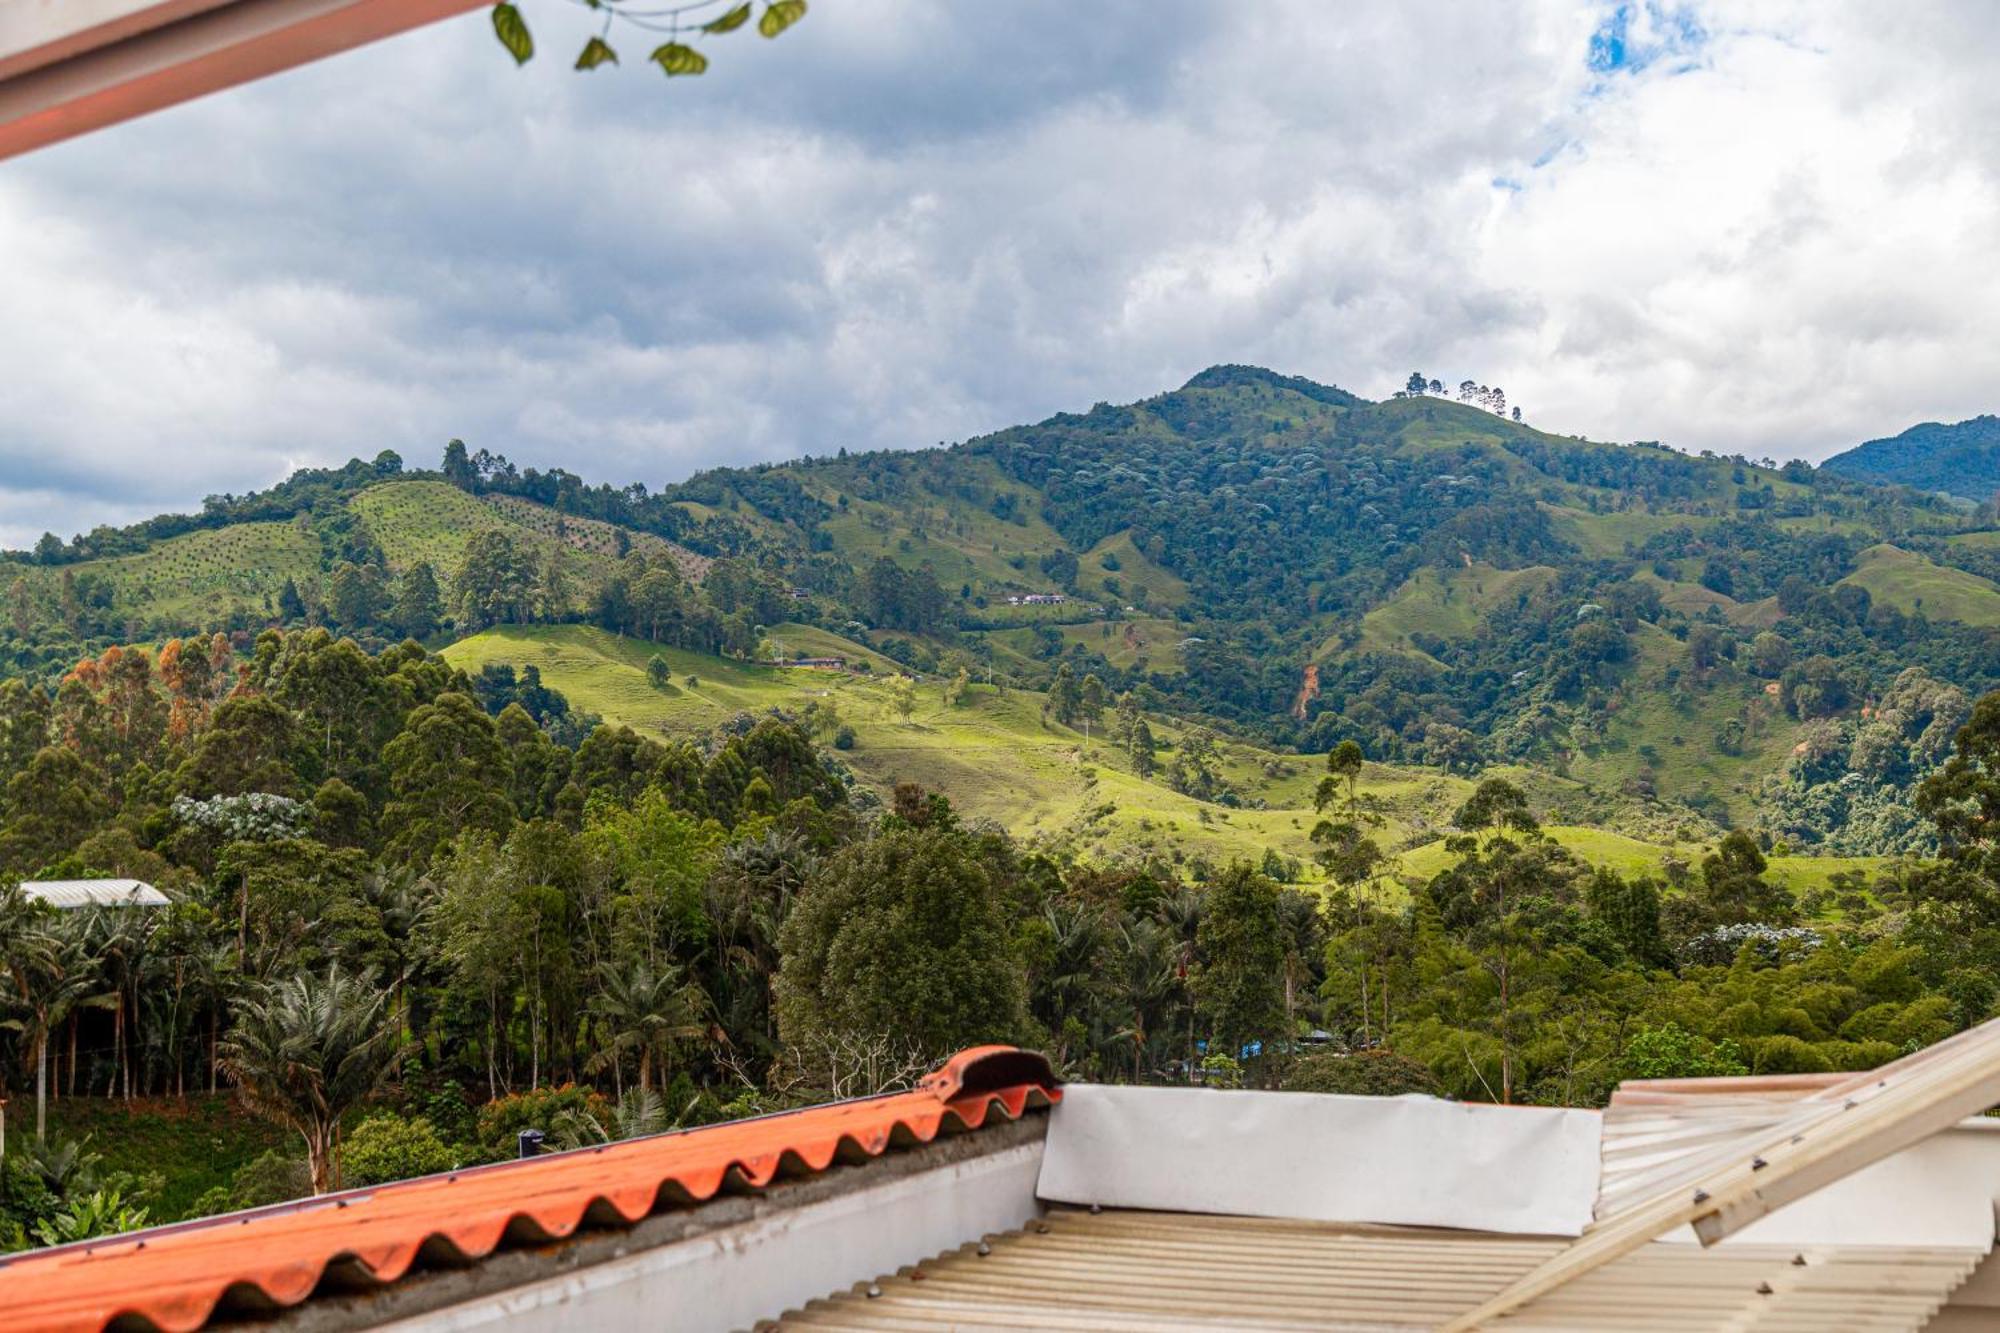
[
  {"x": 1000, "y": 758},
  {"x": 1961, "y": 459},
  {"x": 1285, "y": 562}
]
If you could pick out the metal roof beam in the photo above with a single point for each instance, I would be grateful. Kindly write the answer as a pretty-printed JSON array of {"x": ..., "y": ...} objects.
[{"x": 71, "y": 66}]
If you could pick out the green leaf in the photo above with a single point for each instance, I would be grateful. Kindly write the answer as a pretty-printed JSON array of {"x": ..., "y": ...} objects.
[
  {"x": 780, "y": 15},
  {"x": 731, "y": 21},
  {"x": 596, "y": 52},
  {"x": 512, "y": 30},
  {"x": 679, "y": 58}
]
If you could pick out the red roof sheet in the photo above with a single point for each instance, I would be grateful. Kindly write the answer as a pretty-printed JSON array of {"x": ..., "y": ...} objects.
[{"x": 175, "y": 1276}]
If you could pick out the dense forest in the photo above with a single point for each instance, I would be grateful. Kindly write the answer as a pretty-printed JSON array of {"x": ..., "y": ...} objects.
[{"x": 417, "y": 908}]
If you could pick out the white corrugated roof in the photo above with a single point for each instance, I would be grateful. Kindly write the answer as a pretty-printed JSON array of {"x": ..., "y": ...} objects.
[
  {"x": 1145, "y": 1271},
  {"x": 67, "y": 893}
]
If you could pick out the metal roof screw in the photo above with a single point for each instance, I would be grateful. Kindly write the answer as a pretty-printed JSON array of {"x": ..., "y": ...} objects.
[
  {"x": 1701, "y": 1196},
  {"x": 984, "y": 1249},
  {"x": 1849, "y": 1106},
  {"x": 873, "y": 1291},
  {"x": 1764, "y": 1289},
  {"x": 1758, "y": 1164},
  {"x": 1798, "y": 1138},
  {"x": 1798, "y": 1261},
  {"x": 1095, "y": 1210}
]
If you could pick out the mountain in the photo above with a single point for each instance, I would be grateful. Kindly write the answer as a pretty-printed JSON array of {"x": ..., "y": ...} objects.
[
  {"x": 1283, "y": 561},
  {"x": 1962, "y": 459}
]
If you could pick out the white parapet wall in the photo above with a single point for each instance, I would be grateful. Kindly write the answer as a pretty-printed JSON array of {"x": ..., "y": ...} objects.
[{"x": 1413, "y": 1161}]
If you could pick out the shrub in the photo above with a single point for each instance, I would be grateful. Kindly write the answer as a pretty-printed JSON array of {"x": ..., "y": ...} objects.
[
  {"x": 271, "y": 1177},
  {"x": 387, "y": 1147},
  {"x": 501, "y": 1121},
  {"x": 1360, "y": 1074},
  {"x": 1671, "y": 1051}
]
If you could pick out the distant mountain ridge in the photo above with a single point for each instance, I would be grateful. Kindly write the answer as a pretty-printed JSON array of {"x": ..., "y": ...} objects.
[{"x": 1961, "y": 459}]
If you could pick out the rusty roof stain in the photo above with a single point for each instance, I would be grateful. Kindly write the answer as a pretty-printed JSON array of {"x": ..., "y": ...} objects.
[{"x": 175, "y": 1277}]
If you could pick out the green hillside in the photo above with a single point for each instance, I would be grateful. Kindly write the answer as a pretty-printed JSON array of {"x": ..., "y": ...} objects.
[
  {"x": 1289, "y": 562},
  {"x": 1962, "y": 459},
  {"x": 1912, "y": 584},
  {"x": 997, "y": 758}
]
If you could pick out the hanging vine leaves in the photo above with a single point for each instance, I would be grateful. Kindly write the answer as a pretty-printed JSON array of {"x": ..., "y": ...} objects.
[
  {"x": 781, "y": 15},
  {"x": 731, "y": 21},
  {"x": 675, "y": 57},
  {"x": 678, "y": 58},
  {"x": 512, "y": 30}
]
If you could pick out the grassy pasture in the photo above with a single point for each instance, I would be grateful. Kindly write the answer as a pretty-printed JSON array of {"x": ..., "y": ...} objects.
[{"x": 1910, "y": 583}]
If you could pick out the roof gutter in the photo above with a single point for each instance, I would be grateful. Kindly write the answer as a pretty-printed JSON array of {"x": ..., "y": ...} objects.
[{"x": 68, "y": 67}]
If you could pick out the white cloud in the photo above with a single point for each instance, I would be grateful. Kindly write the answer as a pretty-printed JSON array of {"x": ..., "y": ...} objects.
[{"x": 1762, "y": 228}]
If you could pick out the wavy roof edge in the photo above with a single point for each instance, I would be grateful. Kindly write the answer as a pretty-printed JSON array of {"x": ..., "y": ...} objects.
[{"x": 177, "y": 1277}]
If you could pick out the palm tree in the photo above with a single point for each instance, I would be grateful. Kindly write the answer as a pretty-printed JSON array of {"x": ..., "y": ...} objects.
[
  {"x": 647, "y": 1010},
  {"x": 1071, "y": 978},
  {"x": 1147, "y": 982},
  {"x": 308, "y": 1049},
  {"x": 48, "y": 974},
  {"x": 1180, "y": 911},
  {"x": 638, "y": 1112}
]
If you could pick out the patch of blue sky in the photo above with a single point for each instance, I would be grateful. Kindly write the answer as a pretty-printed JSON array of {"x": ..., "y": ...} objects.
[{"x": 1633, "y": 37}]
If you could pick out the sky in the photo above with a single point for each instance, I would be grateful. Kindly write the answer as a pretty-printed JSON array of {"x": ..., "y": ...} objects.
[{"x": 1762, "y": 228}]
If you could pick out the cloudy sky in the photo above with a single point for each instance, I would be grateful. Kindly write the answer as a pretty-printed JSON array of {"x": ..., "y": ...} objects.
[{"x": 1760, "y": 228}]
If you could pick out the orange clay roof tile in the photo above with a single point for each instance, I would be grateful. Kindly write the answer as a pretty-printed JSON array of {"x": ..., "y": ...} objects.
[{"x": 174, "y": 1277}]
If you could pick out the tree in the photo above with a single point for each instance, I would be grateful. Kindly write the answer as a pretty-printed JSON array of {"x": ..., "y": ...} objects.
[
  {"x": 291, "y": 606},
  {"x": 1142, "y": 748},
  {"x": 1239, "y": 980},
  {"x": 648, "y": 1011},
  {"x": 447, "y": 774},
  {"x": 1498, "y": 805},
  {"x": 903, "y": 696},
  {"x": 45, "y": 979},
  {"x": 552, "y": 596},
  {"x": 1090, "y": 702},
  {"x": 308, "y": 1049},
  {"x": 51, "y": 805},
  {"x": 496, "y": 582},
  {"x": 457, "y": 468},
  {"x": 418, "y": 606},
  {"x": 251, "y": 745},
  {"x": 1963, "y": 797},
  {"x": 1064, "y": 700},
  {"x": 354, "y": 595},
  {"x": 658, "y": 673},
  {"x": 905, "y": 937}
]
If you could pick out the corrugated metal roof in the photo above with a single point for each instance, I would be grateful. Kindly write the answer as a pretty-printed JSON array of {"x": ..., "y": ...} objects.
[
  {"x": 68, "y": 893},
  {"x": 1656, "y": 1130},
  {"x": 1787, "y": 1148},
  {"x": 174, "y": 1277},
  {"x": 1144, "y": 1271}
]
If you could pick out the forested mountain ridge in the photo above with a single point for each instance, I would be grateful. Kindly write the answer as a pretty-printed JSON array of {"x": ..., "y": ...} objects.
[
  {"x": 1438, "y": 582},
  {"x": 1961, "y": 459}
]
